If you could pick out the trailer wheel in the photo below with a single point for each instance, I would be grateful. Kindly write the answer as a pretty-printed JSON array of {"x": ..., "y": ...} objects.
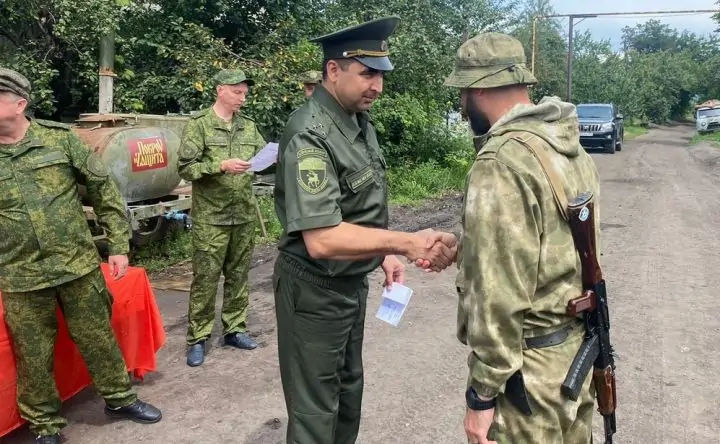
[{"x": 149, "y": 231}]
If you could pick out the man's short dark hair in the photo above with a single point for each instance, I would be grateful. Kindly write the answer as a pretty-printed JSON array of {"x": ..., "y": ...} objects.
[{"x": 343, "y": 63}]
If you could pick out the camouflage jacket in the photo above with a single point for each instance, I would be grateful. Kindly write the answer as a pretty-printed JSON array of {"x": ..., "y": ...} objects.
[
  {"x": 219, "y": 198},
  {"x": 44, "y": 236},
  {"x": 518, "y": 266}
]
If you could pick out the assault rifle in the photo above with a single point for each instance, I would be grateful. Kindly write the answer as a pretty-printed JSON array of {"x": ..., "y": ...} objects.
[{"x": 596, "y": 350}]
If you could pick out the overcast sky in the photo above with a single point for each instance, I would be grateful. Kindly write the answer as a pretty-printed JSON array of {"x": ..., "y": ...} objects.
[{"x": 610, "y": 27}]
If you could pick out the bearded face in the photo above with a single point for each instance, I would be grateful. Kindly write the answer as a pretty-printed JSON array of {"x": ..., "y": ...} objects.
[{"x": 479, "y": 122}]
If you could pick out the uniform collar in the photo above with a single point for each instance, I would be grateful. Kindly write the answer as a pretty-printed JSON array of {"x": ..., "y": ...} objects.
[
  {"x": 347, "y": 125},
  {"x": 31, "y": 140},
  {"x": 217, "y": 122}
]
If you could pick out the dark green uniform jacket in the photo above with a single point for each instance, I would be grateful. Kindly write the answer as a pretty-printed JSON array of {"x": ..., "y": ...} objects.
[{"x": 330, "y": 169}]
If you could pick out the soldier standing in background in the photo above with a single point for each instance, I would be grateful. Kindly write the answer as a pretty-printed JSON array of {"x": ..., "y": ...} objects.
[
  {"x": 48, "y": 258},
  {"x": 331, "y": 200},
  {"x": 215, "y": 148},
  {"x": 518, "y": 264},
  {"x": 310, "y": 79}
]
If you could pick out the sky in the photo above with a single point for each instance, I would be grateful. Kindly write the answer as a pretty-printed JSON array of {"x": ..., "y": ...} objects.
[{"x": 610, "y": 27}]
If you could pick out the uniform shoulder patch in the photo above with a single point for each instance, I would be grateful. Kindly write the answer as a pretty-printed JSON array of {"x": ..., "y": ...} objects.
[
  {"x": 53, "y": 124},
  {"x": 312, "y": 172},
  {"x": 96, "y": 165}
]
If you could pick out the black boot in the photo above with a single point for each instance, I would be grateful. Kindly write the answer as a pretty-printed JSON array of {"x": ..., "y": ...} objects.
[
  {"x": 240, "y": 340},
  {"x": 139, "y": 411},
  {"x": 196, "y": 354},
  {"x": 48, "y": 439}
]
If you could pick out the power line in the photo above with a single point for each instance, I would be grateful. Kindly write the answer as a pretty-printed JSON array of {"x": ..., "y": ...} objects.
[{"x": 572, "y": 18}]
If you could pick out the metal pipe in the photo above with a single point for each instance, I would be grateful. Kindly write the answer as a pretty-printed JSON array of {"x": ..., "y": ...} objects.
[
  {"x": 595, "y": 14},
  {"x": 570, "y": 58},
  {"x": 534, "y": 44},
  {"x": 107, "y": 73}
]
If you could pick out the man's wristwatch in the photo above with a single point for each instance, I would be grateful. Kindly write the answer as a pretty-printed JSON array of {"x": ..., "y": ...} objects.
[{"x": 475, "y": 403}]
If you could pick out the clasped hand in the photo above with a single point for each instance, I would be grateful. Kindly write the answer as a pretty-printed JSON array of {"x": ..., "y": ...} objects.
[{"x": 434, "y": 250}]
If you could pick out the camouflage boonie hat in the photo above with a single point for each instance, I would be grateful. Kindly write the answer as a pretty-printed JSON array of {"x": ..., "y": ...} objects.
[
  {"x": 14, "y": 82},
  {"x": 490, "y": 60},
  {"x": 311, "y": 77},
  {"x": 232, "y": 77}
]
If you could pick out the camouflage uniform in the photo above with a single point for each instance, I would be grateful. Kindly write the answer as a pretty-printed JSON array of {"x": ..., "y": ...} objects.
[
  {"x": 310, "y": 79},
  {"x": 518, "y": 265},
  {"x": 47, "y": 257},
  {"x": 223, "y": 215}
]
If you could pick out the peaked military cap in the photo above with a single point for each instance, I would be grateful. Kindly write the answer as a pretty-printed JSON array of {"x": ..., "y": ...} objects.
[
  {"x": 490, "y": 60},
  {"x": 366, "y": 43},
  {"x": 231, "y": 77},
  {"x": 14, "y": 82}
]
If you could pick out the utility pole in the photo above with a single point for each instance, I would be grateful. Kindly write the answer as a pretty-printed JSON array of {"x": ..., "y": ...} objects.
[
  {"x": 599, "y": 14},
  {"x": 570, "y": 58}
]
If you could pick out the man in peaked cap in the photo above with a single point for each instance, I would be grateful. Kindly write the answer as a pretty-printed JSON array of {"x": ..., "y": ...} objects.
[
  {"x": 215, "y": 148},
  {"x": 49, "y": 260},
  {"x": 309, "y": 79},
  {"x": 517, "y": 263},
  {"x": 331, "y": 200}
]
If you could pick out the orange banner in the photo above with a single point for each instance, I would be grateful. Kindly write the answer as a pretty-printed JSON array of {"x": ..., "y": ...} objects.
[{"x": 138, "y": 327}]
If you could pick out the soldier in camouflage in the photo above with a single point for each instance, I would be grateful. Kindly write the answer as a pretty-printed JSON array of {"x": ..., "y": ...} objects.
[
  {"x": 48, "y": 259},
  {"x": 214, "y": 152},
  {"x": 517, "y": 263},
  {"x": 309, "y": 80}
]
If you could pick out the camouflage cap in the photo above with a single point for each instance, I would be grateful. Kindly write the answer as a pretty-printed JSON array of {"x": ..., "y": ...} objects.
[
  {"x": 232, "y": 77},
  {"x": 366, "y": 43},
  {"x": 14, "y": 82},
  {"x": 490, "y": 60},
  {"x": 311, "y": 77}
]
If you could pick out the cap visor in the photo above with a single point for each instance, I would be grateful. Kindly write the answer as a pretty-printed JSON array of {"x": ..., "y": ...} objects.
[{"x": 377, "y": 63}]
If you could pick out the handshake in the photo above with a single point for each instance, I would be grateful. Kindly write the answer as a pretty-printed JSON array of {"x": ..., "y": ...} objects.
[{"x": 432, "y": 250}]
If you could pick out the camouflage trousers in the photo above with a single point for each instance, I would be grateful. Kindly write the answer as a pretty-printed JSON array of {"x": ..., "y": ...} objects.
[
  {"x": 31, "y": 317},
  {"x": 225, "y": 249},
  {"x": 555, "y": 419}
]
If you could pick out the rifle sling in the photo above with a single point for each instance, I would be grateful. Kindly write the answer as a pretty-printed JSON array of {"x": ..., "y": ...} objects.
[{"x": 536, "y": 146}]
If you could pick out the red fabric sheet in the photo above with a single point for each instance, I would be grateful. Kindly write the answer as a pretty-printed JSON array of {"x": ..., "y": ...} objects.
[{"x": 138, "y": 328}]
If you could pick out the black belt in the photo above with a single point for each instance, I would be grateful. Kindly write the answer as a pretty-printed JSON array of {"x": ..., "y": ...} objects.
[
  {"x": 339, "y": 284},
  {"x": 550, "y": 339}
]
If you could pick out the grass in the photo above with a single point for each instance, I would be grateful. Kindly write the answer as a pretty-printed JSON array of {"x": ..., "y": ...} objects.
[
  {"x": 633, "y": 131},
  {"x": 712, "y": 138}
]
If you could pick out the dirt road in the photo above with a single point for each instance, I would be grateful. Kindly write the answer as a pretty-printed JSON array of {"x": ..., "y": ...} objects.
[{"x": 660, "y": 219}]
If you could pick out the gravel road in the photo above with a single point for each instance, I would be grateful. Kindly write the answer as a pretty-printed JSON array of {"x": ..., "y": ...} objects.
[{"x": 660, "y": 216}]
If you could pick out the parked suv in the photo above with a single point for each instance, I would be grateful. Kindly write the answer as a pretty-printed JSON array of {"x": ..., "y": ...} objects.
[{"x": 601, "y": 125}]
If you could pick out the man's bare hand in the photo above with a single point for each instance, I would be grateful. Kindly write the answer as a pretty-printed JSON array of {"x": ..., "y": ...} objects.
[
  {"x": 234, "y": 166},
  {"x": 432, "y": 238},
  {"x": 394, "y": 271},
  {"x": 477, "y": 425},
  {"x": 434, "y": 250},
  {"x": 118, "y": 266}
]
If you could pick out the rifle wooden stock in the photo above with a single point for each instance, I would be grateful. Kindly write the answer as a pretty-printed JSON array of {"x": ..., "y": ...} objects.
[
  {"x": 592, "y": 305},
  {"x": 582, "y": 223}
]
